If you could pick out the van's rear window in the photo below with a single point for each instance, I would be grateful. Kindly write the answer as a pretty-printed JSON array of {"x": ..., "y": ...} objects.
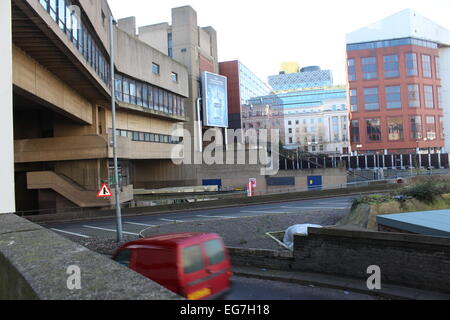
[
  {"x": 193, "y": 259},
  {"x": 215, "y": 252}
]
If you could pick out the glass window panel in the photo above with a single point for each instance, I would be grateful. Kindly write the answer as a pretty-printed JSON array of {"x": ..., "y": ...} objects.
[
  {"x": 413, "y": 96},
  {"x": 369, "y": 68},
  {"x": 431, "y": 127},
  {"x": 416, "y": 127},
  {"x": 391, "y": 69},
  {"x": 426, "y": 66},
  {"x": 429, "y": 97},
  {"x": 393, "y": 97},
  {"x": 355, "y": 131},
  {"x": 373, "y": 130},
  {"x": 372, "y": 99},
  {"x": 411, "y": 64}
]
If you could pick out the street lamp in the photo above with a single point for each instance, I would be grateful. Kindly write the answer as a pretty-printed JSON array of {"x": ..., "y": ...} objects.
[{"x": 112, "y": 22}]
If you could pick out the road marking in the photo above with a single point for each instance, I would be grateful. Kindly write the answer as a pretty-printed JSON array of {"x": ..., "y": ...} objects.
[
  {"x": 263, "y": 212},
  {"x": 72, "y": 233},
  {"x": 169, "y": 220},
  {"x": 219, "y": 217},
  {"x": 323, "y": 207},
  {"x": 111, "y": 230},
  {"x": 140, "y": 224}
]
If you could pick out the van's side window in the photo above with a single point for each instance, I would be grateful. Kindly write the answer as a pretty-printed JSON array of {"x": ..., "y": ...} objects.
[
  {"x": 124, "y": 257},
  {"x": 192, "y": 259},
  {"x": 215, "y": 252}
]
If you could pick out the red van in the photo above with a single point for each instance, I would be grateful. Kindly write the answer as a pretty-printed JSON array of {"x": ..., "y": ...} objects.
[{"x": 194, "y": 265}]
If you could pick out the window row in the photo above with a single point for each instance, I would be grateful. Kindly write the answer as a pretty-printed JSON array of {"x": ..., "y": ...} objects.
[
  {"x": 69, "y": 21},
  {"x": 395, "y": 128},
  {"x": 369, "y": 67},
  {"x": 392, "y": 43},
  {"x": 394, "y": 100},
  {"x": 150, "y": 97},
  {"x": 148, "y": 137}
]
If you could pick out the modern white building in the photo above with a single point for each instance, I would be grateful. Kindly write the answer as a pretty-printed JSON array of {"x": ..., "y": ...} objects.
[{"x": 310, "y": 120}]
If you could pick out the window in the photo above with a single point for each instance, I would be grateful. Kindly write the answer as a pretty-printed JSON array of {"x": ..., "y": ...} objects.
[
  {"x": 437, "y": 66},
  {"x": 118, "y": 87},
  {"x": 155, "y": 68},
  {"x": 395, "y": 128},
  {"x": 373, "y": 130},
  {"x": 371, "y": 98},
  {"x": 126, "y": 90},
  {"x": 426, "y": 66},
  {"x": 353, "y": 100},
  {"x": 416, "y": 127},
  {"x": 174, "y": 77},
  {"x": 290, "y": 131},
  {"x": 391, "y": 66},
  {"x": 139, "y": 94},
  {"x": 335, "y": 125},
  {"x": 123, "y": 257},
  {"x": 355, "y": 131},
  {"x": 431, "y": 127},
  {"x": 291, "y": 140},
  {"x": 132, "y": 92},
  {"x": 369, "y": 68},
  {"x": 170, "y": 44},
  {"x": 429, "y": 97},
  {"x": 192, "y": 259},
  {"x": 439, "y": 94},
  {"x": 393, "y": 97},
  {"x": 441, "y": 128},
  {"x": 215, "y": 252},
  {"x": 413, "y": 96},
  {"x": 411, "y": 64},
  {"x": 351, "y": 70},
  {"x": 145, "y": 96}
]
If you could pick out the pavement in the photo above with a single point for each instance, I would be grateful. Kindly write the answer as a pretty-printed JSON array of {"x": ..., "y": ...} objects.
[{"x": 388, "y": 291}]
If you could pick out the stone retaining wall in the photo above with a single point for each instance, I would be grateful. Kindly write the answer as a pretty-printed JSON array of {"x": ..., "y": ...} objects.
[{"x": 34, "y": 263}]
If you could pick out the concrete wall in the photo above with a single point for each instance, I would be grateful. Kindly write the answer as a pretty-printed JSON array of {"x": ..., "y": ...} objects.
[
  {"x": 34, "y": 263},
  {"x": 156, "y": 35},
  {"x": 135, "y": 58},
  {"x": 32, "y": 77},
  {"x": 415, "y": 261},
  {"x": 7, "y": 204}
]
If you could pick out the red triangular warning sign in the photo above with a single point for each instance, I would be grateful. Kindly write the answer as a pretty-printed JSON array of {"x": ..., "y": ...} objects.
[{"x": 105, "y": 192}]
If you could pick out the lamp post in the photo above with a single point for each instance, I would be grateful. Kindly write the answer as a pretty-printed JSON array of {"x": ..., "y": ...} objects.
[{"x": 112, "y": 22}]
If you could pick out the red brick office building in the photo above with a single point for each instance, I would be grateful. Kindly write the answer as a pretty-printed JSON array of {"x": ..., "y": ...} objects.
[{"x": 395, "y": 87}]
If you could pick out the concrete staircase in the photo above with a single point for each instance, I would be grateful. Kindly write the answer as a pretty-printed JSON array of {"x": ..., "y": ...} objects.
[{"x": 72, "y": 191}]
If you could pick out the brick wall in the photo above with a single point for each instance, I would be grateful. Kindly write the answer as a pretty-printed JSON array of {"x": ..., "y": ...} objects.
[{"x": 415, "y": 261}]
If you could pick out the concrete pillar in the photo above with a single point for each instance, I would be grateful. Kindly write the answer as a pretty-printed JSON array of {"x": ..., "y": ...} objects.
[{"x": 7, "y": 203}]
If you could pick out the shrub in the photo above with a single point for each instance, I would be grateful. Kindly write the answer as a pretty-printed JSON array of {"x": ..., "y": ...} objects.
[{"x": 427, "y": 190}]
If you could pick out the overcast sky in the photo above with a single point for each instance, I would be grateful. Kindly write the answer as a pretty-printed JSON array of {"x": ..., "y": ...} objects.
[{"x": 262, "y": 33}]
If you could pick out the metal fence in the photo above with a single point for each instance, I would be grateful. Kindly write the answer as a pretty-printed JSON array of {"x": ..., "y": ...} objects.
[{"x": 399, "y": 161}]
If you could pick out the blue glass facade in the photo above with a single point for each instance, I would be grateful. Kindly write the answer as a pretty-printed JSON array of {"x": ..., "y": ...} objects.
[
  {"x": 302, "y": 98},
  {"x": 301, "y": 80}
]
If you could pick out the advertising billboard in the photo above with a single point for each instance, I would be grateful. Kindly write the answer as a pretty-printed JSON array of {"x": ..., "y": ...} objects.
[{"x": 215, "y": 100}]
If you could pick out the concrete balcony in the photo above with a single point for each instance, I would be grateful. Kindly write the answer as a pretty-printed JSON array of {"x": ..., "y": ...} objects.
[
  {"x": 61, "y": 149},
  {"x": 73, "y": 192},
  {"x": 135, "y": 150}
]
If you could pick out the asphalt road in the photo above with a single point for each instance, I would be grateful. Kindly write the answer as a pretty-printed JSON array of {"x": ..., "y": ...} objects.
[
  {"x": 257, "y": 289},
  {"x": 134, "y": 225}
]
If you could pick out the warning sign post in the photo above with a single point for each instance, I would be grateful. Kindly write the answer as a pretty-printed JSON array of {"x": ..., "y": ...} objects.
[{"x": 104, "y": 192}]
